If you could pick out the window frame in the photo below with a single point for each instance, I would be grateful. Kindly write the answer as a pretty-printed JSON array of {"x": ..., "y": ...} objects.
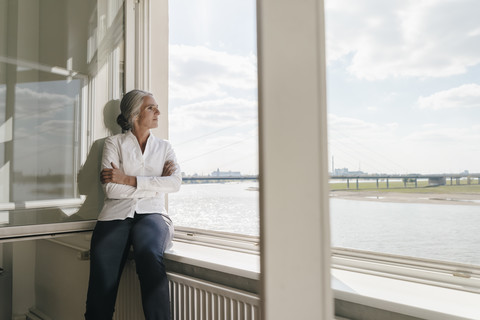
[
  {"x": 84, "y": 133},
  {"x": 218, "y": 239},
  {"x": 79, "y": 154},
  {"x": 445, "y": 274},
  {"x": 427, "y": 271},
  {"x": 138, "y": 63},
  {"x": 451, "y": 275}
]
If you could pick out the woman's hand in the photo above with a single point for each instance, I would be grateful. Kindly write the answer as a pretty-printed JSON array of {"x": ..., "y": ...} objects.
[
  {"x": 169, "y": 168},
  {"x": 116, "y": 175}
]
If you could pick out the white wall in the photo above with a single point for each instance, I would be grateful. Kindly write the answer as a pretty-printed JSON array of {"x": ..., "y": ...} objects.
[
  {"x": 61, "y": 279},
  {"x": 23, "y": 290}
]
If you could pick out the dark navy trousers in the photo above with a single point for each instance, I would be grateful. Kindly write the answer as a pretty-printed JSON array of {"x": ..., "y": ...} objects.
[{"x": 110, "y": 246}]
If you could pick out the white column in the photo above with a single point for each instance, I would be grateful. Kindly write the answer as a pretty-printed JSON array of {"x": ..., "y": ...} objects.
[
  {"x": 159, "y": 61},
  {"x": 149, "y": 59},
  {"x": 295, "y": 237}
]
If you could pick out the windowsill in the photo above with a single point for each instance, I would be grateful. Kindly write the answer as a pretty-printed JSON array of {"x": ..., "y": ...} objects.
[
  {"x": 405, "y": 297},
  {"x": 231, "y": 262},
  {"x": 233, "y": 269},
  {"x": 45, "y": 230},
  {"x": 392, "y": 295},
  {"x": 354, "y": 292}
]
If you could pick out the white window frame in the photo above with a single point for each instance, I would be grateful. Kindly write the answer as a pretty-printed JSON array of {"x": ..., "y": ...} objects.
[
  {"x": 425, "y": 271},
  {"x": 439, "y": 273},
  {"x": 65, "y": 203},
  {"x": 86, "y": 130},
  {"x": 278, "y": 21}
]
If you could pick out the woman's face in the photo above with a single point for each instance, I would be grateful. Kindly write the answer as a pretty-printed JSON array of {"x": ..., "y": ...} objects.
[{"x": 149, "y": 113}]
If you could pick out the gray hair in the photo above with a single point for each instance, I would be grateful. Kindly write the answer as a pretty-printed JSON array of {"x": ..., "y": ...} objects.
[{"x": 130, "y": 108}]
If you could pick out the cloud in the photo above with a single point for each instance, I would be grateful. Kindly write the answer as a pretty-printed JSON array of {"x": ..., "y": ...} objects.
[
  {"x": 359, "y": 138},
  {"x": 236, "y": 152},
  {"x": 213, "y": 109},
  {"x": 218, "y": 113},
  {"x": 211, "y": 134},
  {"x": 385, "y": 148},
  {"x": 443, "y": 149},
  {"x": 199, "y": 72},
  {"x": 33, "y": 104},
  {"x": 365, "y": 145},
  {"x": 438, "y": 136},
  {"x": 62, "y": 128},
  {"x": 352, "y": 127},
  {"x": 445, "y": 139},
  {"x": 465, "y": 96},
  {"x": 381, "y": 39}
]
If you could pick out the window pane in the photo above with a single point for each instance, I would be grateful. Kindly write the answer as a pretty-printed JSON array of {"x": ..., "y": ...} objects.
[
  {"x": 45, "y": 117},
  {"x": 213, "y": 113},
  {"x": 52, "y": 53},
  {"x": 403, "y": 98}
]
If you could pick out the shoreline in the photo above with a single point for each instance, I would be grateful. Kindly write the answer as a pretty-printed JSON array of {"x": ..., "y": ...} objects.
[{"x": 430, "y": 198}]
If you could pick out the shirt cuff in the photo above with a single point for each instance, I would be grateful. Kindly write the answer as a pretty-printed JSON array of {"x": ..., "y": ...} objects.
[{"x": 142, "y": 183}]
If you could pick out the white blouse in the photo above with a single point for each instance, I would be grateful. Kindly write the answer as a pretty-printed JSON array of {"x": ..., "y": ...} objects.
[{"x": 122, "y": 201}]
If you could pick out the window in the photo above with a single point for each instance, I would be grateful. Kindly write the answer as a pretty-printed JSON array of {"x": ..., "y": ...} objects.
[
  {"x": 213, "y": 114},
  {"x": 403, "y": 99},
  {"x": 60, "y": 64}
]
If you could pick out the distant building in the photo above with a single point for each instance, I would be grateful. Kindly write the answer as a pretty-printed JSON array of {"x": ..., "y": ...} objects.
[
  {"x": 345, "y": 172},
  {"x": 219, "y": 173},
  {"x": 340, "y": 171}
]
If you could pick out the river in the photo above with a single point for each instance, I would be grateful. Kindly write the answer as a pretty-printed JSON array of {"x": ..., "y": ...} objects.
[{"x": 435, "y": 231}]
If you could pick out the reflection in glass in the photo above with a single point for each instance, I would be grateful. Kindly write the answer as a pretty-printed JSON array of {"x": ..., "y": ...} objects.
[
  {"x": 45, "y": 153},
  {"x": 60, "y": 62}
]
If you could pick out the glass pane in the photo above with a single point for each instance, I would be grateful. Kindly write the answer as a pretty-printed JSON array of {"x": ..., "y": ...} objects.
[
  {"x": 54, "y": 55},
  {"x": 44, "y": 159},
  {"x": 403, "y": 98},
  {"x": 213, "y": 114}
]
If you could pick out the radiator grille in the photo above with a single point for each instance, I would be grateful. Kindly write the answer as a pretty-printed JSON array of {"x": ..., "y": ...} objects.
[
  {"x": 190, "y": 298},
  {"x": 129, "y": 301}
]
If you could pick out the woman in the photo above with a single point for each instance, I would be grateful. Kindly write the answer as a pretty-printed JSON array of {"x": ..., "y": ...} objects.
[{"x": 138, "y": 169}]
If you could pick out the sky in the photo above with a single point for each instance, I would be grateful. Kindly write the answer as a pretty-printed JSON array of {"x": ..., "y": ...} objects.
[
  {"x": 213, "y": 85},
  {"x": 44, "y": 126},
  {"x": 403, "y": 85}
]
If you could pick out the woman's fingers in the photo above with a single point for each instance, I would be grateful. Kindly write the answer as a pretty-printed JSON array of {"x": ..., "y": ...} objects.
[
  {"x": 106, "y": 175},
  {"x": 168, "y": 168}
]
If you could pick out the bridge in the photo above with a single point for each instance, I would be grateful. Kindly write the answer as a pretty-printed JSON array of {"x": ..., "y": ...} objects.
[
  {"x": 433, "y": 179},
  {"x": 218, "y": 178}
]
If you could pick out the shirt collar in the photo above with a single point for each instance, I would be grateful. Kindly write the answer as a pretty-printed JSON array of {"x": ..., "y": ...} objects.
[
  {"x": 132, "y": 137},
  {"x": 130, "y": 134}
]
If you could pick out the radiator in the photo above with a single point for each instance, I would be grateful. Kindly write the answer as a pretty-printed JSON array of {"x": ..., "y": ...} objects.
[
  {"x": 193, "y": 299},
  {"x": 129, "y": 301},
  {"x": 190, "y": 298}
]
